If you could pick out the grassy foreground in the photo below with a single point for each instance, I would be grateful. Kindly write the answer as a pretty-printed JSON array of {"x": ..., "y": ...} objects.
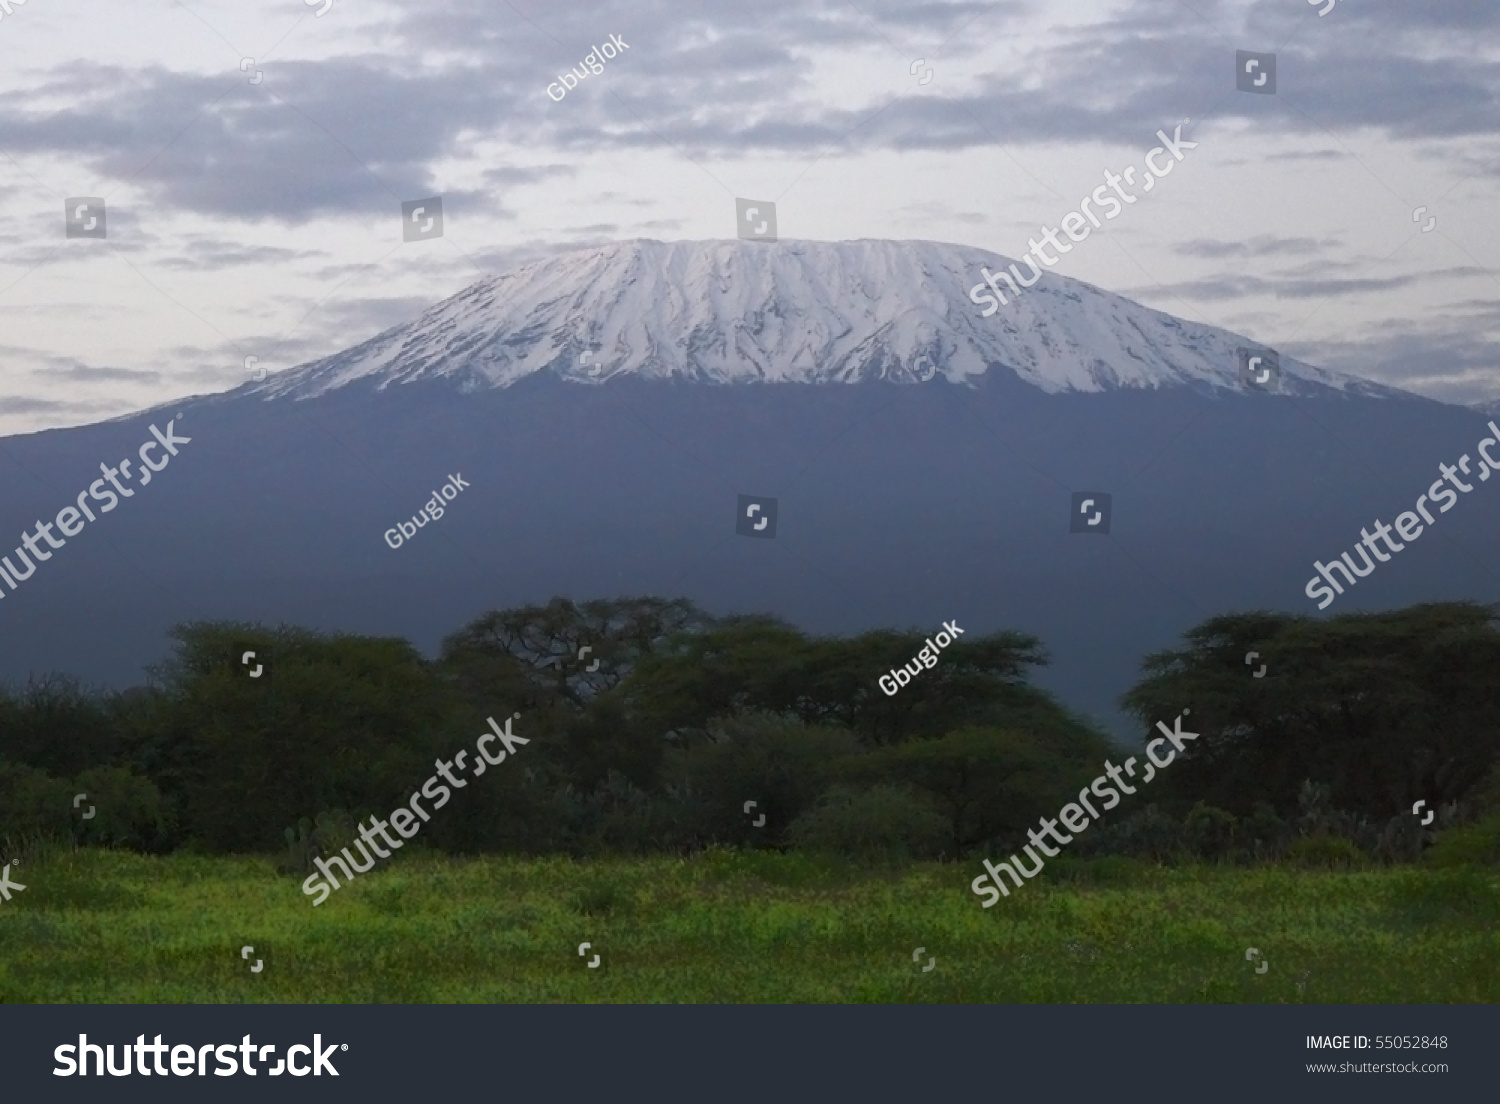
[{"x": 95, "y": 926}]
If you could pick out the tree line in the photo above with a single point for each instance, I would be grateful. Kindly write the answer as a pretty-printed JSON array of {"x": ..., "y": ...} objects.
[{"x": 653, "y": 723}]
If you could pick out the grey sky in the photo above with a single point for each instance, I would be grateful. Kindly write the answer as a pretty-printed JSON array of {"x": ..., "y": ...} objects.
[{"x": 264, "y": 219}]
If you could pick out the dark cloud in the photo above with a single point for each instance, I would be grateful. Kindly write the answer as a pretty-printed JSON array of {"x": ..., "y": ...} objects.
[
  {"x": 1423, "y": 15},
  {"x": 357, "y": 134},
  {"x": 513, "y": 175},
  {"x": 1310, "y": 155},
  {"x": 84, "y": 373},
  {"x": 1236, "y": 286},
  {"x": 347, "y": 135},
  {"x": 30, "y": 404}
]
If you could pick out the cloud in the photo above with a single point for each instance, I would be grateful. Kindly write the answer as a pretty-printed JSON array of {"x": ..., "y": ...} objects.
[
  {"x": 1261, "y": 246},
  {"x": 513, "y": 175},
  {"x": 205, "y": 255},
  {"x": 1309, "y": 155},
  {"x": 345, "y": 135},
  {"x": 31, "y": 404},
  {"x": 359, "y": 132},
  {"x": 1448, "y": 359},
  {"x": 84, "y": 373},
  {"x": 1224, "y": 287}
]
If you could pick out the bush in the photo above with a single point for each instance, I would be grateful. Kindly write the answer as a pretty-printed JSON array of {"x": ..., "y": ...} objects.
[
  {"x": 617, "y": 816},
  {"x": 1265, "y": 835},
  {"x": 782, "y": 765},
  {"x": 880, "y": 823},
  {"x": 1210, "y": 831},
  {"x": 128, "y": 808},
  {"x": 31, "y": 848},
  {"x": 1149, "y": 834},
  {"x": 988, "y": 783},
  {"x": 32, "y": 802}
]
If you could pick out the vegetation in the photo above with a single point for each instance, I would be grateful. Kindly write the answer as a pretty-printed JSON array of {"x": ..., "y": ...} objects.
[
  {"x": 652, "y": 724},
  {"x": 1286, "y": 826},
  {"x": 101, "y": 926}
]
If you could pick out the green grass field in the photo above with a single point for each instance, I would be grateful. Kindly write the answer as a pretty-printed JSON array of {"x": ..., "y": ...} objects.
[{"x": 96, "y": 926}]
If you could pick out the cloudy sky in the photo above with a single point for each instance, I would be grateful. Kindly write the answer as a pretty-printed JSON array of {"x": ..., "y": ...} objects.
[{"x": 253, "y": 207}]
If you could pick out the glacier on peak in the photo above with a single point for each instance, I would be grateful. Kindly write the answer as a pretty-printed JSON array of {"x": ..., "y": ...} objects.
[{"x": 731, "y": 312}]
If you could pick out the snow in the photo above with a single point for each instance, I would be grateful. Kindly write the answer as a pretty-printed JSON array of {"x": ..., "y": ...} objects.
[{"x": 731, "y": 312}]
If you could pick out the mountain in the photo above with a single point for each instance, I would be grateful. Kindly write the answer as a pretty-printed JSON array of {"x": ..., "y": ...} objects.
[
  {"x": 793, "y": 312},
  {"x": 908, "y": 491}
]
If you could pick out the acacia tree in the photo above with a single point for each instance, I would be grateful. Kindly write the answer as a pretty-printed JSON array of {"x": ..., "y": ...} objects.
[
  {"x": 565, "y": 664},
  {"x": 337, "y": 722},
  {"x": 538, "y": 647},
  {"x": 987, "y": 783},
  {"x": 761, "y": 663},
  {"x": 1384, "y": 708}
]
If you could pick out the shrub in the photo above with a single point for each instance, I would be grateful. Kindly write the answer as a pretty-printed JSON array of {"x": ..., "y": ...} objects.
[
  {"x": 988, "y": 783},
  {"x": 328, "y": 834},
  {"x": 32, "y": 848},
  {"x": 128, "y": 808},
  {"x": 880, "y": 823},
  {"x": 1401, "y": 839},
  {"x": 1210, "y": 832},
  {"x": 782, "y": 765},
  {"x": 1264, "y": 834},
  {"x": 618, "y": 816},
  {"x": 1148, "y": 834},
  {"x": 32, "y": 802}
]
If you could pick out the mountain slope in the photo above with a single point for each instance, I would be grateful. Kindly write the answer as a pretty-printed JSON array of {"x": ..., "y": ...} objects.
[{"x": 791, "y": 311}]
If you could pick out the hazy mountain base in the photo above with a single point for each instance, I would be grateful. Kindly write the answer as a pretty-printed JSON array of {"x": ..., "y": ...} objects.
[
  {"x": 726, "y": 926},
  {"x": 899, "y": 506}
]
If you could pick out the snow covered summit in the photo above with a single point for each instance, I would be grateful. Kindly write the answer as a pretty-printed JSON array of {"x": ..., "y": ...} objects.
[{"x": 729, "y": 312}]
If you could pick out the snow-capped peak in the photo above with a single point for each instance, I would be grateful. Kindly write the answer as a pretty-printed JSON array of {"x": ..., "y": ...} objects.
[{"x": 788, "y": 311}]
